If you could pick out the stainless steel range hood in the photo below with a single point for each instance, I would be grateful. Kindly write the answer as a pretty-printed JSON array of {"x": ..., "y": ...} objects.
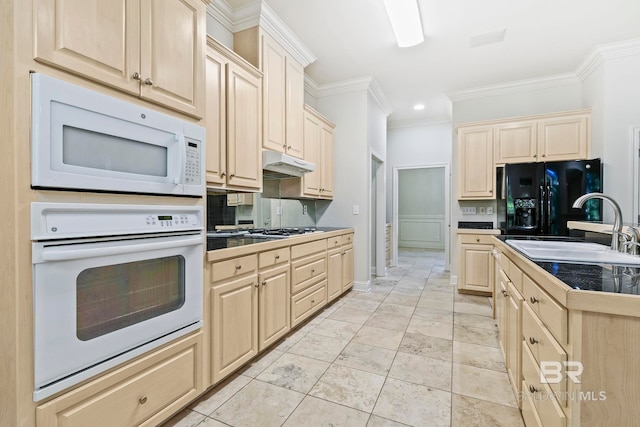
[{"x": 280, "y": 165}]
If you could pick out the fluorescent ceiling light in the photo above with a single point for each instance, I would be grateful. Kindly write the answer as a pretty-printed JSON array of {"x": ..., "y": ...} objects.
[
  {"x": 404, "y": 16},
  {"x": 418, "y": 107}
]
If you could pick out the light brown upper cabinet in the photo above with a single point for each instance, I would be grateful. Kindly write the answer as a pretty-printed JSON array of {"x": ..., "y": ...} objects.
[
  {"x": 475, "y": 163},
  {"x": 283, "y": 90},
  {"x": 318, "y": 144},
  {"x": 562, "y": 136},
  {"x": 151, "y": 49},
  {"x": 233, "y": 120}
]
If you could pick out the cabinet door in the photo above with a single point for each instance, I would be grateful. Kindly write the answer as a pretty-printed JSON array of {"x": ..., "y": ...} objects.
[
  {"x": 326, "y": 144},
  {"x": 334, "y": 274},
  {"x": 516, "y": 142},
  {"x": 312, "y": 153},
  {"x": 96, "y": 39},
  {"x": 234, "y": 325},
  {"x": 172, "y": 54},
  {"x": 563, "y": 138},
  {"x": 295, "y": 108},
  {"x": 274, "y": 67},
  {"x": 476, "y": 165},
  {"x": 514, "y": 338},
  {"x": 476, "y": 268},
  {"x": 215, "y": 118},
  {"x": 274, "y": 305},
  {"x": 501, "y": 313},
  {"x": 347, "y": 268},
  {"x": 244, "y": 128}
]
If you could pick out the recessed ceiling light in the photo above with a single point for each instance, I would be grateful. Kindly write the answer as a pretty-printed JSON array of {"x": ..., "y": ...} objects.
[
  {"x": 404, "y": 16},
  {"x": 418, "y": 107}
]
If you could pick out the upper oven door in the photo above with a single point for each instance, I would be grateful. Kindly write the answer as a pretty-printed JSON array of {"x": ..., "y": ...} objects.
[
  {"x": 85, "y": 140},
  {"x": 96, "y": 301}
]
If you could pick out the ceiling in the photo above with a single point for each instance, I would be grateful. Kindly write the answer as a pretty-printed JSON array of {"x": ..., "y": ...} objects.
[{"x": 353, "y": 39}]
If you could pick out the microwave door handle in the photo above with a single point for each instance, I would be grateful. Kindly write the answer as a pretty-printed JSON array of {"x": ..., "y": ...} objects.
[
  {"x": 182, "y": 150},
  {"x": 61, "y": 253}
]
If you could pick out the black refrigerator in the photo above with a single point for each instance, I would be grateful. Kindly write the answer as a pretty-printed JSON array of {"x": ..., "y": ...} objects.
[{"x": 536, "y": 198}]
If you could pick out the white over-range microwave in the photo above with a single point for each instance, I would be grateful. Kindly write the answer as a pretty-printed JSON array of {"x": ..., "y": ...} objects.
[{"x": 85, "y": 140}]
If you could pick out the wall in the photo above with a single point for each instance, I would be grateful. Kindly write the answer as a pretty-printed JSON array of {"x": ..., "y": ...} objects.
[
  {"x": 613, "y": 91},
  {"x": 377, "y": 141},
  {"x": 216, "y": 30}
]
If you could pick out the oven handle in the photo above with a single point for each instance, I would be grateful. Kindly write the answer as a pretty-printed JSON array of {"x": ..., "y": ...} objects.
[{"x": 61, "y": 253}]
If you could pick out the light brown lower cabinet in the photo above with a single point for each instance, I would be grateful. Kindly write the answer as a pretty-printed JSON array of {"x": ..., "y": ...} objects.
[
  {"x": 142, "y": 393},
  {"x": 475, "y": 264},
  {"x": 274, "y": 305}
]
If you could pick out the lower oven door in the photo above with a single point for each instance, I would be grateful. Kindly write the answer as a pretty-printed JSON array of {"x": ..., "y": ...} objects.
[{"x": 98, "y": 304}]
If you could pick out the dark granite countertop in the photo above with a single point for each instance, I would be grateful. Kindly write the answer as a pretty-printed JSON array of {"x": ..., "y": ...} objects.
[
  {"x": 235, "y": 238},
  {"x": 592, "y": 277}
]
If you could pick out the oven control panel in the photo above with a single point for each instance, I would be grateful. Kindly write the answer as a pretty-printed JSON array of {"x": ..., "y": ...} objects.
[{"x": 80, "y": 220}]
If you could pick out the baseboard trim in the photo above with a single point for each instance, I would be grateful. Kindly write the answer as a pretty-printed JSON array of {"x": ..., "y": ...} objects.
[
  {"x": 362, "y": 286},
  {"x": 453, "y": 280}
]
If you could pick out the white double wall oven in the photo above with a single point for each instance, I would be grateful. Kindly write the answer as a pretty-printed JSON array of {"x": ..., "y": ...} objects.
[{"x": 111, "y": 279}]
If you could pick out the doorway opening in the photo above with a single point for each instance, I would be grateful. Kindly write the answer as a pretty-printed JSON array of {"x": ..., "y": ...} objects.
[
  {"x": 377, "y": 219},
  {"x": 421, "y": 218}
]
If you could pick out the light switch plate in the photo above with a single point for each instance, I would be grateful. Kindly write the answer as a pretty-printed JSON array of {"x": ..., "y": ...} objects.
[
  {"x": 482, "y": 210},
  {"x": 469, "y": 210},
  {"x": 356, "y": 210}
]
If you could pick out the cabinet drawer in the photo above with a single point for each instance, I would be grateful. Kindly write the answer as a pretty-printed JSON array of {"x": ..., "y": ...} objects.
[
  {"x": 545, "y": 401},
  {"x": 307, "y": 249},
  {"x": 233, "y": 268},
  {"x": 552, "y": 314},
  {"x": 484, "y": 239},
  {"x": 515, "y": 274},
  {"x": 142, "y": 393},
  {"x": 541, "y": 345},
  {"x": 347, "y": 239},
  {"x": 307, "y": 271},
  {"x": 274, "y": 257},
  {"x": 529, "y": 411},
  {"x": 334, "y": 242},
  {"x": 308, "y": 302}
]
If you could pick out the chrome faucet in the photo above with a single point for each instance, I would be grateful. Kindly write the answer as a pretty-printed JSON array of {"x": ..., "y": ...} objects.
[{"x": 617, "y": 222}]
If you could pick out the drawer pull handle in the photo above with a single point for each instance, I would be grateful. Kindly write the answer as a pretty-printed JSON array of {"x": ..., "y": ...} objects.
[
  {"x": 534, "y": 300},
  {"x": 238, "y": 267},
  {"x": 143, "y": 400},
  {"x": 532, "y": 340},
  {"x": 532, "y": 389}
]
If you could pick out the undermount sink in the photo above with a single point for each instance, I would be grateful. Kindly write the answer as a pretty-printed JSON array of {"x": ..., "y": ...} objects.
[{"x": 572, "y": 252}]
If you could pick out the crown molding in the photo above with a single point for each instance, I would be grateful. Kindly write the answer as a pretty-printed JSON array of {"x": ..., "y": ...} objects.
[
  {"x": 528, "y": 85},
  {"x": 362, "y": 84},
  {"x": 408, "y": 123},
  {"x": 259, "y": 13},
  {"x": 605, "y": 52}
]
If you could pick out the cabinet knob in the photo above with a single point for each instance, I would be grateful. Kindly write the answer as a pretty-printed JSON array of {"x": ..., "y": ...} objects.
[
  {"x": 148, "y": 81},
  {"x": 534, "y": 300},
  {"x": 238, "y": 267},
  {"x": 288, "y": 147},
  {"x": 284, "y": 146},
  {"x": 222, "y": 175},
  {"x": 477, "y": 240},
  {"x": 313, "y": 301},
  {"x": 532, "y": 389},
  {"x": 257, "y": 285},
  {"x": 533, "y": 341},
  {"x": 504, "y": 293},
  {"x": 232, "y": 175},
  {"x": 135, "y": 76},
  {"x": 142, "y": 400},
  {"x": 264, "y": 282},
  {"x": 544, "y": 155},
  {"x": 313, "y": 271},
  {"x": 277, "y": 256}
]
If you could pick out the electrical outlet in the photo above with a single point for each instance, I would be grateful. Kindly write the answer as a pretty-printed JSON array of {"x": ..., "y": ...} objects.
[
  {"x": 469, "y": 210},
  {"x": 278, "y": 210},
  {"x": 482, "y": 210},
  {"x": 489, "y": 210},
  {"x": 304, "y": 209}
]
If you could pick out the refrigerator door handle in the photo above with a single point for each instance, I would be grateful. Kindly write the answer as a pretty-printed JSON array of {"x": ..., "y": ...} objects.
[
  {"x": 541, "y": 219},
  {"x": 548, "y": 209}
]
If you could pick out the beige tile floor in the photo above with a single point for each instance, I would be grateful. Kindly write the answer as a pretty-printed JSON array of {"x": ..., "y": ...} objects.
[{"x": 411, "y": 352}]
